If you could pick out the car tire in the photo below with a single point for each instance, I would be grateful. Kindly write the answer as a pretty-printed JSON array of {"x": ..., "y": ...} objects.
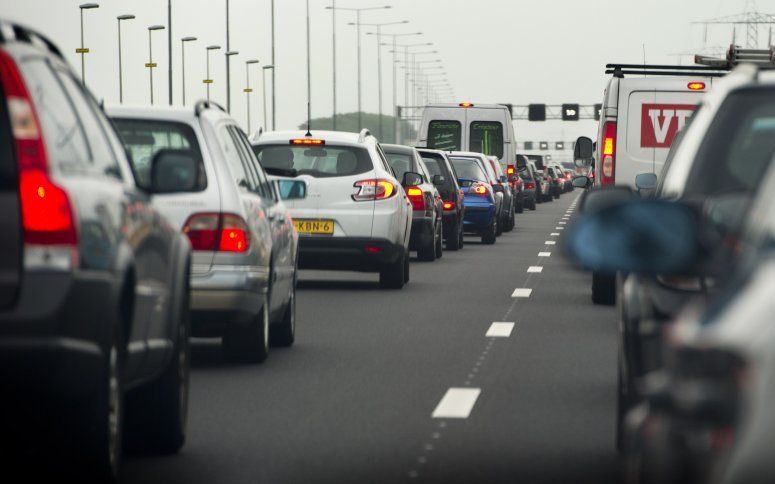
[
  {"x": 511, "y": 223},
  {"x": 427, "y": 253},
  {"x": 455, "y": 238},
  {"x": 283, "y": 334},
  {"x": 498, "y": 227},
  {"x": 440, "y": 243},
  {"x": 394, "y": 275},
  {"x": 249, "y": 344},
  {"x": 533, "y": 204},
  {"x": 520, "y": 208},
  {"x": 407, "y": 265},
  {"x": 603, "y": 289},
  {"x": 557, "y": 194},
  {"x": 461, "y": 236},
  {"x": 489, "y": 236}
]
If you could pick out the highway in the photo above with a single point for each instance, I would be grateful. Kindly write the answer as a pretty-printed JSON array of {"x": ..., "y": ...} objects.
[{"x": 353, "y": 400}]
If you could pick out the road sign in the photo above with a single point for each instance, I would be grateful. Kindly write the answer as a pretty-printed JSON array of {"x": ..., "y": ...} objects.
[
  {"x": 543, "y": 146},
  {"x": 528, "y": 145},
  {"x": 598, "y": 112},
  {"x": 571, "y": 112},
  {"x": 536, "y": 112},
  {"x": 559, "y": 146}
]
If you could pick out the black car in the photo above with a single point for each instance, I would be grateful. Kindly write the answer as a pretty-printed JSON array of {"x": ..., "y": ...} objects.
[
  {"x": 94, "y": 291},
  {"x": 445, "y": 179},
  {"x": 529, "y": 185},
  {"x": 427, "y": 205}
]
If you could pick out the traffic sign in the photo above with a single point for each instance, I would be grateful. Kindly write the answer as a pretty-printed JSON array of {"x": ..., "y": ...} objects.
[
  {"x": 571, "y": 112},
  {"x": 536, "y": 112}
]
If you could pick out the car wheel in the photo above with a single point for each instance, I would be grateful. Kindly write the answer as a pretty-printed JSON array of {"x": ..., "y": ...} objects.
[
  {"x": 520, "y": 207},
  {"x": 393, "y": 276},
  {"x": 603, "y": 289},
  {"x": 498, "y": 227},
  {"x": 461, "y": 237},
  {"x": 455, "y": 238},
  {"x": 440, "y": 243},
  {"x": 406, "y": 268},
  {"x": 489, "y": 236},
  {"x": 427, "y": 253},
  {"x": 249, "y": 344},
  {"x": 510, "y": 223},
  {"x": 557, "y": 195},
  {"x": 284, "y": 333}
]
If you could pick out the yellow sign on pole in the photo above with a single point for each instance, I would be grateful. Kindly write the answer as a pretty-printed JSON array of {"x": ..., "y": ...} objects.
[
  {"x": 151, "y": 65},
  {"x": 208, "y": 81},
  {"x": 82, "y": 51}
]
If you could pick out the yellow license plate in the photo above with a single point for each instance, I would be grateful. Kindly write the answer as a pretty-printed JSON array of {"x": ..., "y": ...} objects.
[{"x": 314, "y": 227}]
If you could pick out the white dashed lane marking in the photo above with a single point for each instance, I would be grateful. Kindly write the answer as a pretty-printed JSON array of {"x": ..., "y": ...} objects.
[
  {"x": 559, "y": 228},
  {"x": 535, "y": 269},
  {"x": 544, "y": 254},
  {"x": 550, "y": 242},
  {"x": 500, "y": 330},
  {"x": 457, "y": 403},
  {"x": 554, "y": 234},
  {"x": 522, "y": 292}
]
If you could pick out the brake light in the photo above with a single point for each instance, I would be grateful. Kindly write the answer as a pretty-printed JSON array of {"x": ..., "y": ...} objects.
[
  {"x": 417, "y": 198},
  {"x": 466, "y": 105},
  {"x": 479, "y": 189},
  {"x": 46, "y": 212},
  {"x": 217, "y": 231},
  {"x": 370, "y": 190},
  {"x": 308, "y": 142},
  {"x": 449, "y": 205},
  {"x": 609, "y": 154},
  {"x": 530, "y": 186},
  {"x": 510, "y": 170},
  {"x": 696, "y": 86}
]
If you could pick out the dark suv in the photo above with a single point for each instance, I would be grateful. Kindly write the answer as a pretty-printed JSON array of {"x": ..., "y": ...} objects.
[
  {"x": 445, "y": 179},
  {"x": 93, "y": 281}
]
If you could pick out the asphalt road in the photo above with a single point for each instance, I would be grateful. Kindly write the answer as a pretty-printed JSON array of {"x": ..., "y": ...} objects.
[{"x": 353, "y": 400}]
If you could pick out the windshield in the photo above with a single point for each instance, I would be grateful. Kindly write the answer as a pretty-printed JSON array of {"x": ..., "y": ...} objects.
[
  {"x": 468, "y": 169},
  {"x": 319, "y": 162}
]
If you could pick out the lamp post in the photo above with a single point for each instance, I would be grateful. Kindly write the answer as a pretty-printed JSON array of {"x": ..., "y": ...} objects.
[
  {"x": 83, "y": 50},
  {"x": 358, "y": 12},
  {"x": 274, "y": 63},
  {"x": 248, "y": 89},
  {"x": 183, "y": 64},
  {"x": 406, "y": 48},
  {"x": 150, "y": 65},
  {"x": 395, "y": 81},
  {"x": 228, "y": 60},
  {"x": 228, "y": 54},
  {"x": 333, "y": 62},
  {"x": 120, "y": 64},
  {"x": 309, "y": 77},
  {"x": 209, "y": 81},
  {"x": 169, "y": 51},
  {"x": 263, "y": 89}
]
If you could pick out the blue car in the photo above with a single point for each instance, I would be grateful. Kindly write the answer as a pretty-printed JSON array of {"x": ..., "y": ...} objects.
[{"x": 481, "y": 207}]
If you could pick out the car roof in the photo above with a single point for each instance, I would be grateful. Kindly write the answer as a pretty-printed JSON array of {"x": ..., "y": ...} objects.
[
  {"x": 398, "y": 148},
  {"x": 186, "y": 115},
  {"x": 467, "y": 154},
  {"x": 475, "y": 106}
]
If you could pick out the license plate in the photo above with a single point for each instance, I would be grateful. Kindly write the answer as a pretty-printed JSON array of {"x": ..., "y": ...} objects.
[{"x": 314, "y": 227}]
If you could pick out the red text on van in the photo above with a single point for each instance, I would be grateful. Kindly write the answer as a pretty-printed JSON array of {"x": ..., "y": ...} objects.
[{"x": 661, "y": 122}]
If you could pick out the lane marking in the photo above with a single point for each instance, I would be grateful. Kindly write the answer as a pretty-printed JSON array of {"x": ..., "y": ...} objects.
[
  {"x": 535, "y": 269},
  {"x": 555, "y": 234},
  {"x": 550, "y": 242},
  {"x": 559, "y": 228},
  {"x": 562, "y": 223},
  {"x": 522, "y": 292},
  {"x": 500, "y": 330},
  {"x": 544, "y": 254},
  {"x": 457, "y": 403}
]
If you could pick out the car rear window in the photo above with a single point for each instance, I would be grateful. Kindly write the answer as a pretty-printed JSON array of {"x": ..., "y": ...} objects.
[
  {"x": 469, "y": 169},
  {"x": 487, "y": 138},
  {"x": 400, "y": 163},
  {"x": 320, "y": 162},
  {"x": 143, "y": 138},
  {"x": 445, "y": 135}
]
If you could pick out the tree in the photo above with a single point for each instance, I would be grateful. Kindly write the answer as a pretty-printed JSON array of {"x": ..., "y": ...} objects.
[{"x": 349, "y": 122}]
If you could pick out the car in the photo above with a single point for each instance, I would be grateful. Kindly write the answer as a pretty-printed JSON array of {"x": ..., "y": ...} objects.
[
  {"x": 492, "y": 179},
  {"x": 543, "y": 185},
  {"x": 530, "y": 184},
  {"x": 509, "y": 197},
  {"x": 480, "y": 128},
  {"x": 445, "y": 179},
  {"x": 557, "y": 183},
  {"x": 357, "y": 216},
  {"x": 428, "y": 208},
  {"x": 481, "y": 201},
  {"x": 94, "y": 290},
  {"x": 245, "y": 250}
]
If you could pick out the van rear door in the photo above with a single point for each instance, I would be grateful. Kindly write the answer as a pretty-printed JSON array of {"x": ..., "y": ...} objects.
[
  {"x": 656, "y": 110},
  {"x": 488, "y": 132}
]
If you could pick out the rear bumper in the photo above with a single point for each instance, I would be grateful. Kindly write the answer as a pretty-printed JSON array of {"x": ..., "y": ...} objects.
[
  {"x": 422, "y": 233},
  {"x": 362, "y": 254},
  {"x": 479, "y": 216}
]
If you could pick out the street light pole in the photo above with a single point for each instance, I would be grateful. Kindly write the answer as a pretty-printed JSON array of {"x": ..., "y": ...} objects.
[
  {"x": 228, "y": 54},
  {"x": 263, "y": 90},
  {"x": 228, "y": 61},
  {"x": 183, "y": 64},
  {"x": 248, "y": 89},
  {"x": 209, "y": 81},
  {"x": 169, "y": 50},
  {"x": 274, "y": 63},
  {"x": 333, "y": 70},
  {"x": 83, "y": 50},
  {"x": 150, "y": 65},
  {"x": 309, "y": 77},
  {"x": 120, "y": 63}
]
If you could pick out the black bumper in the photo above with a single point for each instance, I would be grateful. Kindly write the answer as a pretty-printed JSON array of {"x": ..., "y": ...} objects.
[
  {"x": 361, "y": 254},
  {"x": 422, "y": 233}
]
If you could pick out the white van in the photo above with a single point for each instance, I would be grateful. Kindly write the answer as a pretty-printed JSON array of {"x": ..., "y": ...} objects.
[
  {"x": 481, "y": 128},
  {"x": 641, "y": 116}
]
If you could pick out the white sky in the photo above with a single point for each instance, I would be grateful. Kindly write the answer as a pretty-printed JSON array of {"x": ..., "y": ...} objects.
[{"x": 517, "y": 51}]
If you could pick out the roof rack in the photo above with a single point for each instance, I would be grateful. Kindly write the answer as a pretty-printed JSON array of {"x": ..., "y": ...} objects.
[
  {"x": 736, "y": 55},
  {"x": 365, "y": 133},
  {"x": 621, "y": 70},
  {"x": 10, "y": 31},
  {"x": 203, "y": 104}
]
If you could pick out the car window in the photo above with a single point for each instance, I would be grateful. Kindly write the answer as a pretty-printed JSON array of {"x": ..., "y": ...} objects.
[
  {"x": 433, "y": 165},
  {"x": 423, "y": 169},
  {"x": 144, "y": 138},
  {"x": 234, "y": 159},
  {"x": 469, "y": 169},
  {"x": 319, "y": 162},
  {"x": 486, "y": 137},
  {"x": 400, "y": 163},
  {"x": 444, "y": 135},
  {"x": 263, "y": 186},
  {"x": 64, "y": 135}
]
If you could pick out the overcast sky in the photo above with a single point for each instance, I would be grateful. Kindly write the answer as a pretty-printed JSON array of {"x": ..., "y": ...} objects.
[{"x": 508, "y": 51}]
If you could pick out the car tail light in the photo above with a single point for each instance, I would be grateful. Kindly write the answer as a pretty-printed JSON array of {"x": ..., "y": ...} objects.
[
  {"x": 370, "y": 190},
  {"x": 510, "y": 170},
  {"x": 530, "y": 186},
  {"x": 449, "y": 205},
  {"x": 46, "y": 212},
  {"x": 417, "y": 198},
  {"x": 608, "y": 171},
  {"x": 217, "y": 231},
  {"x": 479, "y": 189}
]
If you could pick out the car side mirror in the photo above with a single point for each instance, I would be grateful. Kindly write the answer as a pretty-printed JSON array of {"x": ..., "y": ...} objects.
[
  {"x": 411, "y": 179},
  {"x": 646, "y": 182},
  {"x": 583, "y": 152},
  {"x": 439, "y": 180},
  {"x": 291, "y": 189},
  {"x": 640, "y": 236},
  {"x": 582, "y": 182},
  {"x": 598, "y": 199},
  {"x": 174, "y": 171}
]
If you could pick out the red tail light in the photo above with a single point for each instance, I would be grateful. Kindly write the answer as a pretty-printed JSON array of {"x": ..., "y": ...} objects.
[
  {"x": 217, "y": 231},
  {"x": 479, "y": 189},
  {"x": 449, "y": 205},
  {"x": 417, "y": 198},
  {"x": 530, "y": 186},
  {"x": 370, "y": 190},
  {"x": 47, "y": 216},
  {"x": 608, "y": 162},
  {"x": 510, "y": 170}
]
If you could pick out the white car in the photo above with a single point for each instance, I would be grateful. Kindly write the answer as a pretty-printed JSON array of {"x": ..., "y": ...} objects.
[{"x": 356, "y": 216}]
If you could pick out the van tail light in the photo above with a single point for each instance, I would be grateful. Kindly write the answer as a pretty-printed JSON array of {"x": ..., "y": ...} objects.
[
  {"x": 47, "y": 215},
  {"x": 370, "y": 190},
  {"x": 608, "y": 171},
  {"x": 222, "y": 232},
  {"x": 417, "y": 198},
  {"x": 449, "y": 206}
]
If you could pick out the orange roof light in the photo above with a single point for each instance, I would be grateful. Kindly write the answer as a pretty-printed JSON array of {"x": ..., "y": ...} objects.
[
  {"x": 696, "y": 86},
  {"x": 308, "y": 142},
  {"x": 466, "y": 105}
]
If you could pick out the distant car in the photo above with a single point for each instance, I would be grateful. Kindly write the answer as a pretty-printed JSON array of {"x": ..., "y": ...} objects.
[
  {"x": 428, "y": 208},
  {"x": 556, "y": 180},
  {"x": 509, "y": 197},
  {"x": 445, "y": 179},
  {"x": 491, "y": 179},
  {"x": 543, "y": 186},
  {"x": 357, "y": 216},
  {"x": 529, "y": 183},
  {"x": 481, "y": 216},
  {"x": 94, "y": 281}
]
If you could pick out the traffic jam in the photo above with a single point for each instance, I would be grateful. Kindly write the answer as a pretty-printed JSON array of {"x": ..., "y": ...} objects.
[{"x": 187, "y": 298}]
